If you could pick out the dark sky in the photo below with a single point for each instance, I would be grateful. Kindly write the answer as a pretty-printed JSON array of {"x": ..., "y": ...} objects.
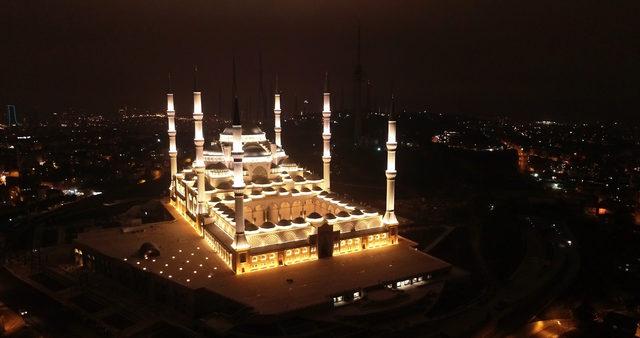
[{"x": 533, "y": 59}]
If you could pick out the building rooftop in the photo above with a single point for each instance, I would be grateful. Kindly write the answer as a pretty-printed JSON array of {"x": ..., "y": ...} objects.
[{"x": 187, "y": 259}]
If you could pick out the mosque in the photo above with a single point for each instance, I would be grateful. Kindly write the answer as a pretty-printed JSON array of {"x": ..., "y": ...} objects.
[
  {"x": 252, "y": 229},
  {"x": 258, "y": 209}
]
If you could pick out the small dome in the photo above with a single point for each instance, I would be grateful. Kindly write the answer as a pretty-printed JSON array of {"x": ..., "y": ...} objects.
[
  {"x": 305, "y": 189},
  {"x": 274, "y": 166},
  {"x": 357, "y": 212},
  {"x": 294, "y": 191},
  {"x": 189, "y": 176},
  {"x": 298, "y": 220},
  {"x": 343, "y": 214},
  {"x": 317, "y": 188},
  {"x": 256, "y": 193},
  {"x": 215, "y": 199},
  {"x": 261, "y": 180},
  {"x": 220, "y": 206},
  {"x": 314, "y": 215},
  {"x": 250, "y": 227},
  {"x": 284, "y": 223},
  {"x": 268, "y": 189},
  {"x": 267, "y": 225},
  {"x": 298, "y": 178},
  {"x": 278, "y": 179},
  {"x": 224, "y": 185},
  {"x": 329, "y": 216},
  {"x": 228, "y": 198},
  {"x": 148, "y": 249},
  {"x": 323, "y": 193},
  {"x": 282, "y": 190}
]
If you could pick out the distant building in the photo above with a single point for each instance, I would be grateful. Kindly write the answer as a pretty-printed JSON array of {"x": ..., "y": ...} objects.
[{"x": 11, "y": 117}]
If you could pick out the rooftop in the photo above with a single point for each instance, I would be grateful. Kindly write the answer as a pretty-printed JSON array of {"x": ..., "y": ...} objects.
[{"x": 187, "y": 259}]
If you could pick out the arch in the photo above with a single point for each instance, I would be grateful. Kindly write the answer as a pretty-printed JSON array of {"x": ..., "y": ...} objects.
[
  {"x": 259, "y": 172},
  {"x": 273, "y": 214},
  {"x": 258, "y": 214},
  {"x": 285, "y": 210},
  {"x": 296, "y": 209},
  {"x": 309, "y": 207}
]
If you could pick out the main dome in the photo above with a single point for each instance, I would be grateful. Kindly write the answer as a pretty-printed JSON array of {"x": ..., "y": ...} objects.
[{"x": 250, "y": 133}]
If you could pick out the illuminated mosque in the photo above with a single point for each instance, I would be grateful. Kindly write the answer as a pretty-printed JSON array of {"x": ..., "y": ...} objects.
[
  {"x": 258, "y": 209},
  {"x": 251, "y": 229}
]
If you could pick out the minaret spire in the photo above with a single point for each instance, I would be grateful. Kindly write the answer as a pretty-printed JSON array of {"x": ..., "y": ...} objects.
[
  {"x": 240, "y": 243},
  {"x": 276, "y": 113},
  {"x": 326, "y": 135},
  {"x": 198, "y": 140},
  {"x": 173, "y": 151},
  {"x": 389, "y": 217}
]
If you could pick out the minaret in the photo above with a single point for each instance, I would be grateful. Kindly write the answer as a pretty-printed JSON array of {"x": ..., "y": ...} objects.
[
  {"x": 198, "y": 140},
  {"x": 237, "y": 153},
  {"x": 173, "y": 151},
  {"x": 326, "y": 135},
  {"x": 276, "y": 112},
  {"x": 389, "y": 215}
]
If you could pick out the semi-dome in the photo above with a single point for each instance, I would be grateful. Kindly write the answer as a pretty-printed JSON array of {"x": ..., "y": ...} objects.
[
  {"x": 216, "y": 166},
  {"x": 254, "y": 149},
  {"x": 298, "y": 220},
  {"x": 329, "y": 216}
]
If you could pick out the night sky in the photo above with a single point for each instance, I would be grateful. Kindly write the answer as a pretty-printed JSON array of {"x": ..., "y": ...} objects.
[{"x": 525, "y": 59}]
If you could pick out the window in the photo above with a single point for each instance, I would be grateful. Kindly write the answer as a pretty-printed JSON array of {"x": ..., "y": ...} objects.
[
  {"x": 297, "y": 251},
  {"x": 378, "y": 236},
  {"x": 342, "y": 243},
  {"x": 304, "y": 250},
  {"x": 350, "y": 242},
  {"x": 254, "y": 258},
  {"x": 356, "y": 295},
  {"x": 384, "y": 235},
  {"x": 272, "y": 256},
  {"x": 263, "y": 257},
  {"x": 288, "y": 252}
]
